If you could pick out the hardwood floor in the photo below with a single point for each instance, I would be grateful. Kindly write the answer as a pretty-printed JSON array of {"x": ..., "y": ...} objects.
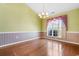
[{"x": 41, "y": 47}]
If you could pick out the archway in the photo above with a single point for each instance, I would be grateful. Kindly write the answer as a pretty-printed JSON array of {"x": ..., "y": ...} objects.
[{"x": 56, "y": 28}]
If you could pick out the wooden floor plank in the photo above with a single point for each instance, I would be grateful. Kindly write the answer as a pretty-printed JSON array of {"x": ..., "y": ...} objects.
[{"x": 41, "y": 47}]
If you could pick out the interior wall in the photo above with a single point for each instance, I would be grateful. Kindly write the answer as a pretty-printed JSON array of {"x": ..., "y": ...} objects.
[
  {"x": 18, "y": 23},
  {"x": 72, "y": 34},
  {"x": 73, "y": 20},
  {"x": 18, "y": 17}
]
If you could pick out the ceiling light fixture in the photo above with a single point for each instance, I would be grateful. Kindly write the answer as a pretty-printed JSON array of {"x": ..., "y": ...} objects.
[{"x": 43, "y": 14}]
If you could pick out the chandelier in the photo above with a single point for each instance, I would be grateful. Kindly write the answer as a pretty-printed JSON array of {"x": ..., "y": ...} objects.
[{"x": 44, "y": 13}]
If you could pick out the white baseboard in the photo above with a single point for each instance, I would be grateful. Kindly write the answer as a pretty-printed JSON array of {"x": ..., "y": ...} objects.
[
  {"x": 65, "y": 41},
  {"x": 19, "y": 42},
  {"x": 71, "y": 32},
  {"x": 18, "y": 32}
]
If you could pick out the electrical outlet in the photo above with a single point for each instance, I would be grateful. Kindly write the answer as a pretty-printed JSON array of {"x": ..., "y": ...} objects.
[{"x": 17, "y": 37}]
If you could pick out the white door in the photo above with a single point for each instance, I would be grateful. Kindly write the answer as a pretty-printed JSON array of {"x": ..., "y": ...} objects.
[{"x": 56, "y": 28}]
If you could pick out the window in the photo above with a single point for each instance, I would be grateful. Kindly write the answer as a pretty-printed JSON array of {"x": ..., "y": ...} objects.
[{"x": 55, "y": 28}]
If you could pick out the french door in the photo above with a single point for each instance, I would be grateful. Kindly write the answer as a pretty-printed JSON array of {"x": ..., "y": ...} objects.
[{"x": 56, "y": 28}]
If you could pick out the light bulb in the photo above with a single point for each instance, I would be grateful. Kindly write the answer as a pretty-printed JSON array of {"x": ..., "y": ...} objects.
[
  {"x": 42, "y": 13},
  {"x": 44, "y": 16},
  {"x": 39, "y": 15},
  {"x": 46, "y": 13}
]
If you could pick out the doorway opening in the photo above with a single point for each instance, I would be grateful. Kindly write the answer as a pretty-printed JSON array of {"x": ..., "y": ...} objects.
[{"x": 56, "y": 28}]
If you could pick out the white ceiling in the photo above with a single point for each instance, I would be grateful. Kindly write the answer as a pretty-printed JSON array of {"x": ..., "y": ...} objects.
[{"x": 53, "y": 8}]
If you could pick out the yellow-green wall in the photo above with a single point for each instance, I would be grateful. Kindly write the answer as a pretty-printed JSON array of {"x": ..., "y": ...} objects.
[
  {"x": 18, "y": 17},
  {"x": 73, "y": 20}
]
